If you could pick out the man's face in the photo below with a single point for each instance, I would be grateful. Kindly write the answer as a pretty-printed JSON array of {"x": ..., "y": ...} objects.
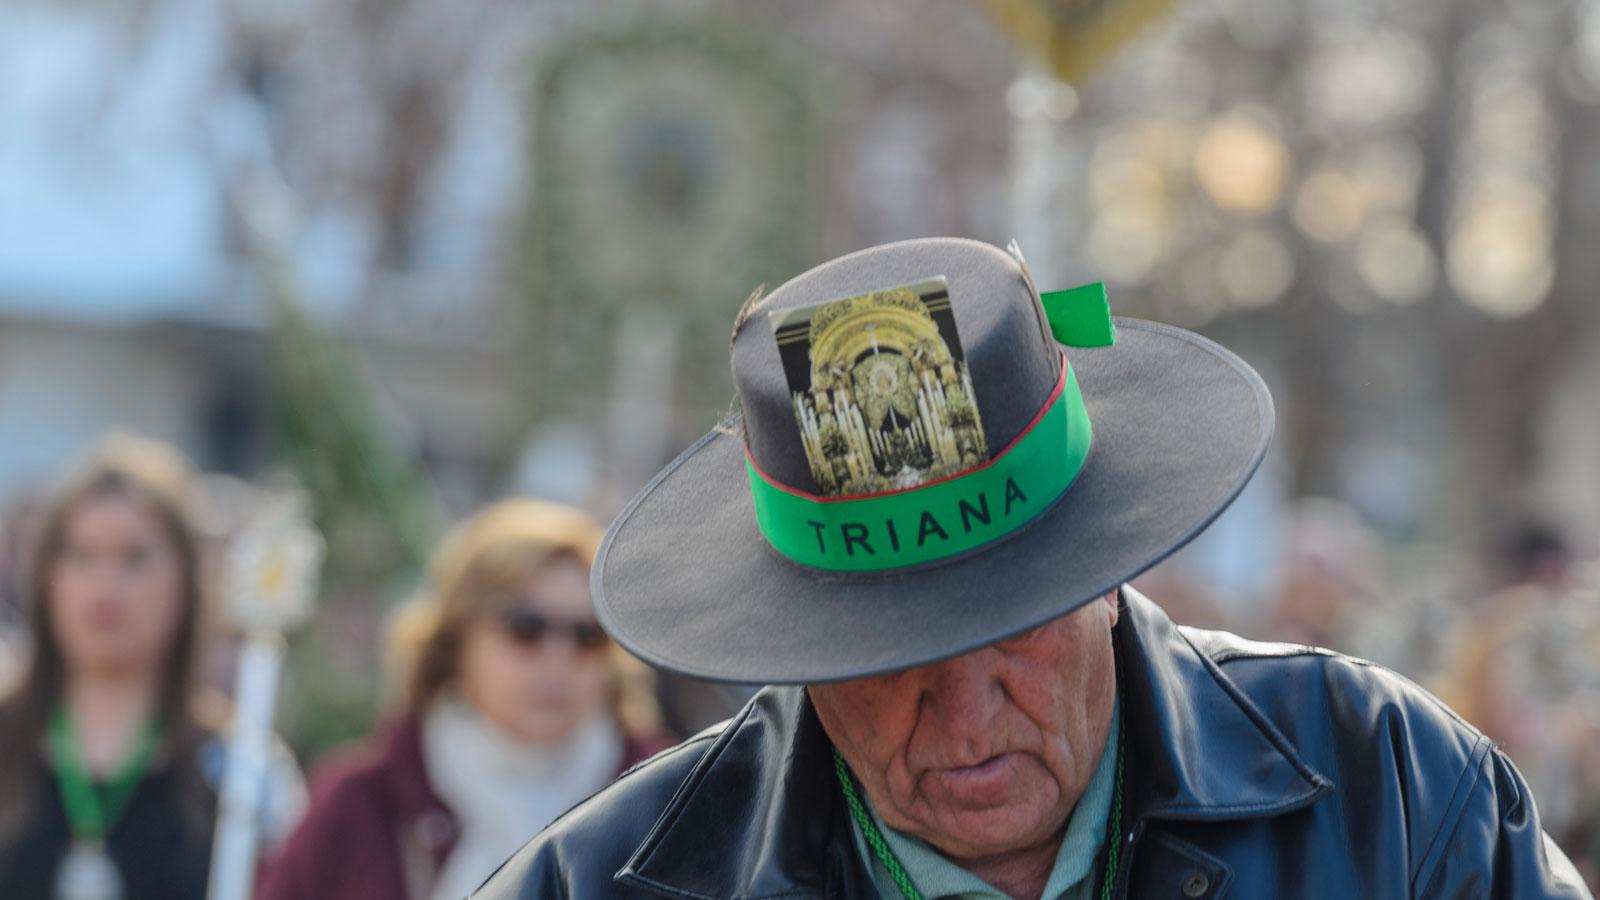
[{"x": 986, "y": 753}]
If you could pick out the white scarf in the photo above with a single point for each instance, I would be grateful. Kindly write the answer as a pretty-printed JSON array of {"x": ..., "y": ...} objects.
[{"x": 503, "y": 791}]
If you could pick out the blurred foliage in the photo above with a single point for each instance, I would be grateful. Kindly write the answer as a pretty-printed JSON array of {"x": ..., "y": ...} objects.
[
  {"x": 333, "y": 679},
  {"x": 373, "y": 506},
  {"x": 672, "y": 174},
  {"x": 369, "y": 499}
]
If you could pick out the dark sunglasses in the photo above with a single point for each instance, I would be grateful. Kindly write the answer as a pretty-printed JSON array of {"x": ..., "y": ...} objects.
[{"x": 528, "y": 628}]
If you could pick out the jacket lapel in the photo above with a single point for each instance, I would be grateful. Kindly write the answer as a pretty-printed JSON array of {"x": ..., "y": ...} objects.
[
  {"x": 1198, "y": 748},
  {"x": 758, "y": 817}
]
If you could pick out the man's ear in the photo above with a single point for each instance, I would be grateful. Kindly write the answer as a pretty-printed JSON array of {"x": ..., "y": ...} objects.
[{"x": 1113, "y": 602}]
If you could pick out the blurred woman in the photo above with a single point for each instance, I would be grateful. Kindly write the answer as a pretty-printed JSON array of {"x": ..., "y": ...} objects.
[
  {"x": 516, "y": 707},
  {"x": 107, "y": 774}
]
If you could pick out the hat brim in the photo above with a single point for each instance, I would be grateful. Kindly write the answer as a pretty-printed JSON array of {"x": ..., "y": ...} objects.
[{"x": 685, "y": 580}]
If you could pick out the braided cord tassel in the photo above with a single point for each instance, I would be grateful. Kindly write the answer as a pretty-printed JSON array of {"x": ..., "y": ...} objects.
[
  {"x": 1114, "y": 852},
  {"x": 869, "y": 830}
]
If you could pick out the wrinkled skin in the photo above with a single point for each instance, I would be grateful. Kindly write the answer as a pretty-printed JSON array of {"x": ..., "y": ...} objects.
[{"x": 985, "y": 755}]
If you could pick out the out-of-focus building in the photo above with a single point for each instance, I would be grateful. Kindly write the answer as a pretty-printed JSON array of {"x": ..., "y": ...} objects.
[{"x": 407, "y": 136}]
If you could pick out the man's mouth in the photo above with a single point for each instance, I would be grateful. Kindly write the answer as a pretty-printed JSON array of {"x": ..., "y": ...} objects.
[{"x": 980, "y": 784}]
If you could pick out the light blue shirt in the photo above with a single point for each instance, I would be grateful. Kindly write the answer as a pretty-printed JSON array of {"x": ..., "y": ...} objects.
[{"x": 937, "y": 878}]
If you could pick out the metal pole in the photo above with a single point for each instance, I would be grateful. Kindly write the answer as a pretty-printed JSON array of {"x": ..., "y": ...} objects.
[{"x": 233, "y": 859}]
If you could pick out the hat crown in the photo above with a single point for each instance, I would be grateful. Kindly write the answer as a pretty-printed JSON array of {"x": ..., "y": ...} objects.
[{"x": 1011, "y": 359}]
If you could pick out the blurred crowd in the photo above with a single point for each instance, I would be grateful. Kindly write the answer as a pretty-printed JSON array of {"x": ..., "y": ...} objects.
[{"x": 505, "y": 702}]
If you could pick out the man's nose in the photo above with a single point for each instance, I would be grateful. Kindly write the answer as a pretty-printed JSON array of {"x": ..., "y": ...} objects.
[{"x": 965, "y": 692}]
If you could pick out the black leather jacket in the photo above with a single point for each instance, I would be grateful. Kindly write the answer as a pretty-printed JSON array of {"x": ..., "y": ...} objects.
[{"x": 1254, "y": 770}]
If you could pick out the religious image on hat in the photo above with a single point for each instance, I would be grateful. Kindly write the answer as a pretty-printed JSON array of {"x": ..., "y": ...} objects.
[{"x": 882, "y": 395}]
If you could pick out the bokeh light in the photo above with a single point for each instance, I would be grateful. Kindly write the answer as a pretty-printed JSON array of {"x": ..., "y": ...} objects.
[
  {"x": 1359, "y": 78},
  {"x": 1396, "y": 262},
  {"x": 1256, "y": 268},
  {"x": 1329, "y": 206},
  {"x": 1242, "y": 163},
  {"x": 1499, "y": 253}
]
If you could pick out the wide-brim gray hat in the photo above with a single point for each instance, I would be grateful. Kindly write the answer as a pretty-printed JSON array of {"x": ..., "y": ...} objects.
[{"x": 689, "y": 579}]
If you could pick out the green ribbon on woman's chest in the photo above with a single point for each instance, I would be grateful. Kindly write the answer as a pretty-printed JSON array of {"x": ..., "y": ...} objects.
[{"x": 93, "y": 810}]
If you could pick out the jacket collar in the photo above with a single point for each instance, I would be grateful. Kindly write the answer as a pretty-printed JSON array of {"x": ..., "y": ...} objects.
[
  {"x": 1198, "y": 748},
  {"x": 759, "y": 816}
]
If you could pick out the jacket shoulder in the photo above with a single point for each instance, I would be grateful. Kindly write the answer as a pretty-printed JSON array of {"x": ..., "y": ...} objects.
[
  {"x": 352, "y": 775},
  {"x": 580, "y": 852},
  {"x": 1467, "y": 816},
  {"x": 1352, "y": 695},
  {"x": 1363, "y": 724}
]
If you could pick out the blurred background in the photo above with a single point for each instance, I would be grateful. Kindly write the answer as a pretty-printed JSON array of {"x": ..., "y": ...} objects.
[{"x": 419, "y": 256}]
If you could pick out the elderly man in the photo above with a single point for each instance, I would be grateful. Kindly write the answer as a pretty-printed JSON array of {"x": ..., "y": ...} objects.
[{"x": 921, "y": 522}]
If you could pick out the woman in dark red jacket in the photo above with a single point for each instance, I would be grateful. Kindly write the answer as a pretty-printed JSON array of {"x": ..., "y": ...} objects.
[{"x": 518, "y": 706}]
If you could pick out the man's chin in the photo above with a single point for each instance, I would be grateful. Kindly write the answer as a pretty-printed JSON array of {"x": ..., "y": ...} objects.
[
  {"x": 989, "y": 812},
  {"x": 994, "y": 833}
]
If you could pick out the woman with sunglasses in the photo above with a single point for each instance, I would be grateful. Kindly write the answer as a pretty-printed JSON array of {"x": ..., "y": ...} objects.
[{"x": 516, "y": 707}]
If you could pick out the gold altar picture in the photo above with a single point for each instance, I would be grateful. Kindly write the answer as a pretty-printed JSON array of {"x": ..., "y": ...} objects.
[{"x": 881, "y": 391}]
